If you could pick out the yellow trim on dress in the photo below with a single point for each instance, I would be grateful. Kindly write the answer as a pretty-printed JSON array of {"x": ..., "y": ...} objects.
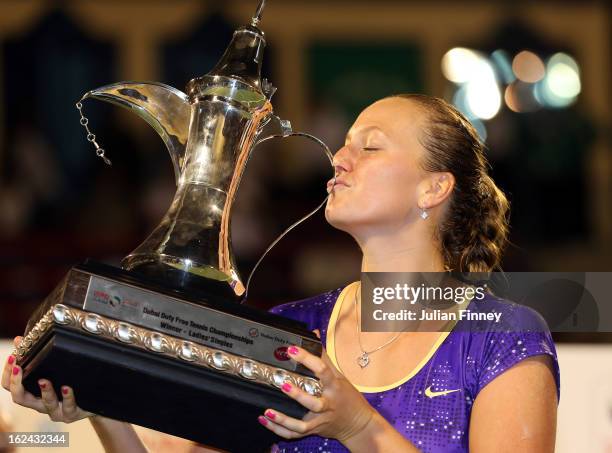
[{"x": 331, "y": 347}]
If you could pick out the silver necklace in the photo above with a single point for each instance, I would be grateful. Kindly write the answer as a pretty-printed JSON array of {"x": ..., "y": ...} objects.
[{"x": 363, "y": 360}]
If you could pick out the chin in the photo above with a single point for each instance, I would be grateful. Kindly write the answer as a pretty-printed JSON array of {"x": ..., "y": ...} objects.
[
  {"x": 338, "y": 220},
  {"x": 332, "y": 217}
]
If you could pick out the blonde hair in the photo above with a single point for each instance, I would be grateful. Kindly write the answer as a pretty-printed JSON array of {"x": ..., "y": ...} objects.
[{"x": 474, "y": 233}]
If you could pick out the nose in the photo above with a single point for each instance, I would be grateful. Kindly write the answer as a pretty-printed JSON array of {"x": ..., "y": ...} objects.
[{"x": 341, "y": 161}]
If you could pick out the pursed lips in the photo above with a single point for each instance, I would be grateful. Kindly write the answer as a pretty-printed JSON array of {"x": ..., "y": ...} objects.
[{"x": 339, "y": 182}]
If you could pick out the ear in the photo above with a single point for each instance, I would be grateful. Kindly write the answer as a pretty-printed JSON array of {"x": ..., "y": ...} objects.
[{"x": 435, "y": 188}]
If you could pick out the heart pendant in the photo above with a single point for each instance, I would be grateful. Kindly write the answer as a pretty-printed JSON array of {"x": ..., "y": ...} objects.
[{"x": 363, "y": 360}]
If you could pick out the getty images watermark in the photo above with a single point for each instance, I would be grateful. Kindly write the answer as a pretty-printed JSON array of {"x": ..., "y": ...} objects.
[{"x": 497, "y": 301}]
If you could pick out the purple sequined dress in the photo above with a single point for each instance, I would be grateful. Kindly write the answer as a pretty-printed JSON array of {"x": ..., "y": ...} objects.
[{"x": 431, "y": 406}]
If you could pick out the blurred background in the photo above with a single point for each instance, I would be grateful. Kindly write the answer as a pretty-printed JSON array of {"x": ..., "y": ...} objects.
[{"x": 534, "y": 78}]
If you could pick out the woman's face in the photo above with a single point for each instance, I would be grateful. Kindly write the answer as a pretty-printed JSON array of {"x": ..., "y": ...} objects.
[{"x": 378, "y": 171}]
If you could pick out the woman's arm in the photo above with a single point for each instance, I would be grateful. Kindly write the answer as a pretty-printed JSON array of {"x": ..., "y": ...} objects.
[
  {"x": 5, "y": 447},
  {"x": 517, "y": 411},
  {"x": 117, "y": 436},
  {"x": 379, "y": 436}
]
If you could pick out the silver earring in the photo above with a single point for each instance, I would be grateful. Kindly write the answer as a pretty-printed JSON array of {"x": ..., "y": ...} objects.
[{"x": 424, "y": 214}]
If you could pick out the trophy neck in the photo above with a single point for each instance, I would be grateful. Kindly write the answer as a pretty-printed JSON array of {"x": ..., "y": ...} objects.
[
  {"x": 195, "y": 234},
  {"x": 222, "y": 132}
]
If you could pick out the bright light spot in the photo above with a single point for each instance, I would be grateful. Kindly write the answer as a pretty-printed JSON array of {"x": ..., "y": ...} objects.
[
  {"x": 480, "y": 128},
  {"x": 563, "y": 78},
  {"x": 520, "y": 97},
  {"x": 562, "y": 84},
  {"x": 460, "y": 101},
  {"x": 528, "y": 67},
  {"x": 483, "y": 98},
  {"x": 460, "y": 65},
  {"x": 502, "y": 62},
  {"x": 511, "y": 100}
]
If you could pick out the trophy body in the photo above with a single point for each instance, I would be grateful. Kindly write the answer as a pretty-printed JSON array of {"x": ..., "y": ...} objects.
[{"x": 163, "y": 342}]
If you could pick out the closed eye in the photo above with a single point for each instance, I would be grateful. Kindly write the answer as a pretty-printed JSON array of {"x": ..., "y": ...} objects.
[{"x": 370, "y": 149}]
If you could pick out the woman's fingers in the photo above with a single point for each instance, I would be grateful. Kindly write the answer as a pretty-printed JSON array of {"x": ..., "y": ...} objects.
[
  {"x": 278, "y": 429},
  {"x": 8, "y": 366},
  {"x": 19, "y": 394},
  {"x": 6, "y": 372},
  {"x": 64, "y": 411},
  {"x": 69, "y": 406},
  {"x": 49, "y": 400},
  {"x": 320, "y": 368},
  {"x": 312, "y": 403},
  {"x": 292, "y": 424}
]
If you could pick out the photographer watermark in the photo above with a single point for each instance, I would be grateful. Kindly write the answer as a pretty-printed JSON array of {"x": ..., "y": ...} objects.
[{"x": 497, "y": 301}]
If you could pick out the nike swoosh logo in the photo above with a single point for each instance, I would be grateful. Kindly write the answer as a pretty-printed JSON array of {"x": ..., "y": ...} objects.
[{"x": 431, "y": 394}]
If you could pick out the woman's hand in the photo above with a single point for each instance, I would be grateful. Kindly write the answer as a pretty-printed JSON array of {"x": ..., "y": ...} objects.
[
  {"x": 65, "y": 411},
  {"x": 341, "y": 412}
]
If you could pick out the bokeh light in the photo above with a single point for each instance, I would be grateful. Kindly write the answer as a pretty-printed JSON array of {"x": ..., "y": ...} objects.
[
  {"x": 480, "y": 96},
  {"x": 461, "y": 65},
  {"x": 561, "y": 86},
  {"x": 483, "y": 98},
  {"x": 502, "y": 63},
  {"x": 520, "y": 97},
  {"x": 527, "y": 84},
  {"x": 528, "y": 67},
  {"x": 460, "y": 100}
]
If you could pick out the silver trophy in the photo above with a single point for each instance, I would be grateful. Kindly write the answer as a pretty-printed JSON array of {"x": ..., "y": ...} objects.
[{"x": 169, "y": 322}]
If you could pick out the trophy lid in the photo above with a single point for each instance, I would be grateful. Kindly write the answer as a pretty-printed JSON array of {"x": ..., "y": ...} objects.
[
  {"x": 237, "y": 75},
  {"x": 242, "y": 58}
]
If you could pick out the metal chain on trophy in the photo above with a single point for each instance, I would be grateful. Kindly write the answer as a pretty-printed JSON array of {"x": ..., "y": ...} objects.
[{"x": 90, "y": 136}]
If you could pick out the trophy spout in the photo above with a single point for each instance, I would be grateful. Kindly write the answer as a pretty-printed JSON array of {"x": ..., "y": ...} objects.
[{"x": 165, "y": 108}]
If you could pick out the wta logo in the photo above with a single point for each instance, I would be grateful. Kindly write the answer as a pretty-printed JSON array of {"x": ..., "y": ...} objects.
[{"x": 281, "y": 354}]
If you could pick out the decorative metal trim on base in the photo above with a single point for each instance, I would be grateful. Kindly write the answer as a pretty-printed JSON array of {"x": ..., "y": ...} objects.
[{"x": 110, "y": 329}]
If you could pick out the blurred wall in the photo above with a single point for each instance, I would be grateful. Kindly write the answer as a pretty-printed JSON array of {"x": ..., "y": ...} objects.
[{"x": 60, "y": 204}]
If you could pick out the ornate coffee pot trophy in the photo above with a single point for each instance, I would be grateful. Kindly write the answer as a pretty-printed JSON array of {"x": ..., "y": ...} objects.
[{"x": 163, "y": 342}]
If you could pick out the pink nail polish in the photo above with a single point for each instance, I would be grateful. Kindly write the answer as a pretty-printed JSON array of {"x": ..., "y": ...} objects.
[
  {"x": 262, "y": 420},
  {"x": 293, "y": 350},
  {"x": 15, "y": 370},
  {"x": 286, "y": 387},
  {"x": 11, "y": 359},
  {"x": 65, "y": 390},
  {"x": 271, "y": 415}
]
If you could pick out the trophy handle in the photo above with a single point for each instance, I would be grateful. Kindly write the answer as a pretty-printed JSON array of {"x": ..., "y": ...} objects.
[{"x": 287, "y": 131}]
